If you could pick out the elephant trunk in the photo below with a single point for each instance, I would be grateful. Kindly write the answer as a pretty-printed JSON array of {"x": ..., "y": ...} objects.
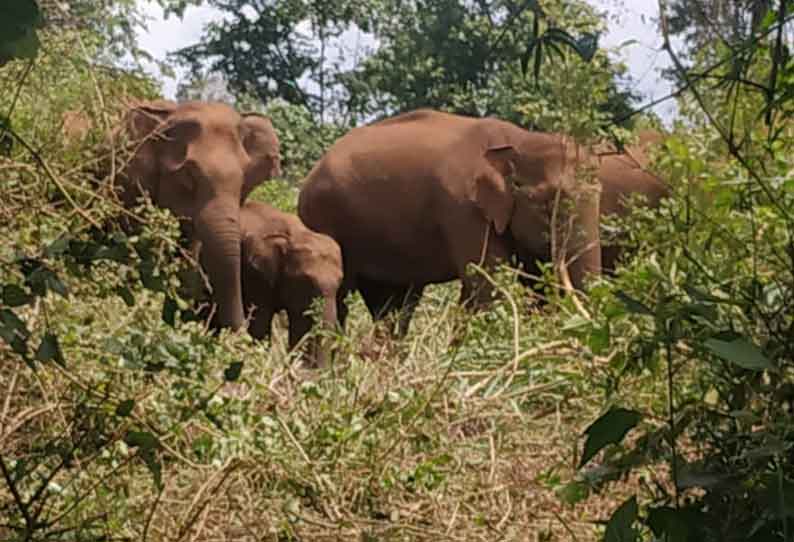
[
  {"x": 217, "y": 226},
  {"x": 320, "y": 347},
  {"x": 329, "y": 311}
]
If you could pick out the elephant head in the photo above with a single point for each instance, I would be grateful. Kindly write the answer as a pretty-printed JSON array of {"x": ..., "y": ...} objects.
[
  {"x": 199, "y": 160},
  {"x": 534, "y": 188},
  {"x": 296, "y": 268}
]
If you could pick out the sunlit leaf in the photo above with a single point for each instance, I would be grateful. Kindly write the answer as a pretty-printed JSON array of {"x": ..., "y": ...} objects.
[{"x": 740, "y": 352}]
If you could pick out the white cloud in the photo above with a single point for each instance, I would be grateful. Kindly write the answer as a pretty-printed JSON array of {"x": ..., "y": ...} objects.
[{"x": 628, "y": 20}]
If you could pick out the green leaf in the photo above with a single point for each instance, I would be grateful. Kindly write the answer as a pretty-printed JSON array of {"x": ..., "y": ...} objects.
[
  {"x": 142, "y": 439},
  {"x": 621, "y": 525},
  {"x": 124, "y": 408},
  {"x": 150, "y": 281},
  {"x": 15, "y": 296},
  {"x": 740, "y": 352},
  {"x": 599, "y": 340},
  {"x": 232, "y": 372},
  {"x": 608, "y": 429},
  {"x": 54, "y": 284},
  {"x": 538, "y": 59},
  {"x": 169, "y": 311},
  {"x": 632, "y": 305},
  {"x": 587, "y": 45},
  {"x": 573, "y": 493},
  {"x": 14, "y": 331},
  {"x": 126, "y": 295},
  {"x": 534, "y": 5},
  {"x": 50, "y": 350},
  {"x": 40, "y": 279},
  {"x": 58, "y": 247},
  {"x": 670, "y": 524},
  {"x": 18, "y": 22}
]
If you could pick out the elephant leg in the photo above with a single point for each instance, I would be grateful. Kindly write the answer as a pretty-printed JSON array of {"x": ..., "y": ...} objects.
[
  {"x": 261, "y": 323},
  {"x": 411, "y": 299},
  {"x": 342, "y": 309},
  {"x": 299, "y": 325},
  {"x": 473, "y": 241},
  {"x": 610, "y": 256},
  {"x": 315, "y": 350},
  {"x": 386, "y": 301},
  {"x": 476, "y": 291},
  {"x": 530, "y": 277}
]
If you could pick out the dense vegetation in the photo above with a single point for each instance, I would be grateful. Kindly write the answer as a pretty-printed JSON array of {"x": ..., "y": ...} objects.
[{"x": 659, "y": 409}]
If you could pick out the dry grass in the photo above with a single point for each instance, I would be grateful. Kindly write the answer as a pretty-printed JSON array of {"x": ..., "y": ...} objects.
[
  {"x": 463, "y": 431},
  {"x": 414, "y": 440}
]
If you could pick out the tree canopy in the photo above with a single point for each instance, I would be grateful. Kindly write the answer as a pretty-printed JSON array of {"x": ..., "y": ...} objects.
[{"x": 362, "y": 59}]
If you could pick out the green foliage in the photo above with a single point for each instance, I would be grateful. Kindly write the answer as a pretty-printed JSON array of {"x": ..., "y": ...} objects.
[
  {"x": 468, "y": 57},
  {"x": 702, "y": 24},
  {"x": 608, "y": 429},
  {"x": 117, "y": 408},
  {"x": 262, "y": 49},
  {"x": 705, "y": 309},
  {"x": 303, "y": 140},
  {"x": 473, "y": 58},
  {"x": 20, "y": 18},
  {"x": 620, "y": 526}
]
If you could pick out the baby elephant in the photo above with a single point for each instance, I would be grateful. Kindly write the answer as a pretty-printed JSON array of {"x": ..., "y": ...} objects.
[{"x": 285, "y": 266}]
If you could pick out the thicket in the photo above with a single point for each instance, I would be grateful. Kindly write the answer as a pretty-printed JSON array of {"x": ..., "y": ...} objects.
[{"x": 662, "y": 412}]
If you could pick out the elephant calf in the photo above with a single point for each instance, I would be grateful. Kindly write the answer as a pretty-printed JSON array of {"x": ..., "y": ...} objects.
[{"x": 285, "y": 266}]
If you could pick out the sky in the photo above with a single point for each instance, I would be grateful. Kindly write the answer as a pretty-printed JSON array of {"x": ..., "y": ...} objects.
[{"x": 628, "y": 20}]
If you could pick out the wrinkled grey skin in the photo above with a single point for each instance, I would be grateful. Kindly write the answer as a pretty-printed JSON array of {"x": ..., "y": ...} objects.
[
  {"x": 200, "y": 160},
  {"x": 286, "y": 266}
]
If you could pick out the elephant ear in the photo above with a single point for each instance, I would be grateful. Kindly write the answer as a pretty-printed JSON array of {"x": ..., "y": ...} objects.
[
  {"x": 175, "y": 143},
  {"x": 171, "y": 135},
  {"x": 493, "y": 194},
  {"x": 141, "y": 170},
  {"x": 263, "y": 256},
  {"x": 145, "y": 117},
  {"x": 262, "y": 145},
  {"x": 503, "y": 159}
]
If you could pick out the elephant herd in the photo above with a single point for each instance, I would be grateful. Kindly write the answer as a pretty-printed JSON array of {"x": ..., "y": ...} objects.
[{"x": 390, "y": 208}]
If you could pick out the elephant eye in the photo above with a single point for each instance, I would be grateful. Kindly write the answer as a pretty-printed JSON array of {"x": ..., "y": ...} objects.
[{"x": 182, "y": 130}]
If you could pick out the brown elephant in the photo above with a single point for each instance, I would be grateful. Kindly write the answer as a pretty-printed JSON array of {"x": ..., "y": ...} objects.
[
  {"x": 285, "y": 267},
  {"x": 624, "y": 176},
  {"x": 414, "y": 199},
  {"x": 200, "y": 160}
]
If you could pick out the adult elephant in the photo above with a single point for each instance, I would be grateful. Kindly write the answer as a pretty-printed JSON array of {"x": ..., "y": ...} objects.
[
  {"x": 624, "y": 177},
  {"x": 414, "y": 199},
  {"x": 200, "y": 160}
]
